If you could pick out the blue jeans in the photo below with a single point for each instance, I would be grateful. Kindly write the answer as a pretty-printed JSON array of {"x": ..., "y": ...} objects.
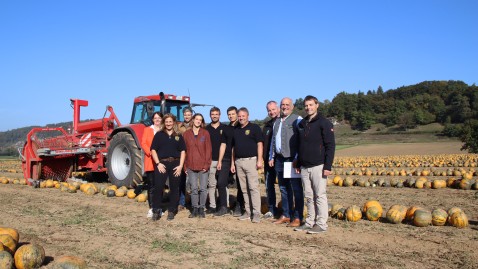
[
  {"x": 270, "y": 189},
  {"x": 292, "y": 193}
]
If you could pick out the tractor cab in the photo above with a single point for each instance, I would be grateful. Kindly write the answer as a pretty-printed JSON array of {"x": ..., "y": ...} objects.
[{"x": 145, "y": 106}]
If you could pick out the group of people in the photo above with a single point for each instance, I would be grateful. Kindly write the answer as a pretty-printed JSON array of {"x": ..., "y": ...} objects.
[{"x": 296, "y": 151}]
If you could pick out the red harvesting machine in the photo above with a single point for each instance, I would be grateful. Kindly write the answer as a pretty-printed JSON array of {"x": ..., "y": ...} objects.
[{"x": 97, "y": 146}]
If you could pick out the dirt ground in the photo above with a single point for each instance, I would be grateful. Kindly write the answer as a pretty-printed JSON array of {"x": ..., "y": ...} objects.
[{"x": 115, "y": 233}]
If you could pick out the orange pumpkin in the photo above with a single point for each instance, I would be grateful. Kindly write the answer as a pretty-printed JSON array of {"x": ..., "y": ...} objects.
[
  {"x": 348, "y": 181},
  {"x": 371, "y": 203},
  {"x": 29, "y": 256},
  {"x": 49, "y": 183},
  {"x": 439, "y": 217},
  {"x": 396, "y": 214},
  {"x": 71, "y": 189},
  {"x": 422, "y": 218},
  {"x": 353, "y": 213},
  {"x": 8, "y": 242},
  {"x": 458, "y": 219},
  {"x": 340, "y": 214},
  {"x": 438, "y": 184},
  {"x": 90, "y": 190},
  {"x": 141, "y": 198},
  {"x": 453, "y": 210},
  {"x": 120, "y": 193},
  {"x": 465, "y": 184},
  {"x": 411, "y": 213},
  {"x": 373, "y": 213},
  {"x": 10, "y": 231},
  {"x": 71, "y": 262},
  {"x": 6, "y": 260},
  {"x": 335, "y": 209},
  {"x": 131, "y": 195}
]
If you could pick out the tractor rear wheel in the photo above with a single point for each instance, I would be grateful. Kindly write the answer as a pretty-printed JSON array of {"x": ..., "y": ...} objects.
[{"x": 124, "y": 162}]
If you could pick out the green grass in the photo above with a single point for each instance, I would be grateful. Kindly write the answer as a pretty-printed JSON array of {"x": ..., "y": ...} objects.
[
  {"x": 176, "y": 246},
  {"x": 84, "y": 217},
  {"x": 8, "y": 158},
  {"x": 339, "y": 147}
]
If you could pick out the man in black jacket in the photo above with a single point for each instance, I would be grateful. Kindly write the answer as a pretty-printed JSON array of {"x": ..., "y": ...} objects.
[
  {"x": 316, "y": 155},
  {"x": 269, "y": 172}
]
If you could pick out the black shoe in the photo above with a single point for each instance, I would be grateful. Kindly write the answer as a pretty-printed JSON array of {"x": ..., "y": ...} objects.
[
  {"x": 170, "y": 216},
  {"x": 138, "y": 189},
  {"x": 156, "y": 214},
  {"x": 221, "y": 212},
  {"x": 237, "y": 211},
  {"x": 194, "y": 213},
  {"x": 201, "y": 213},
  {"x": 211, "y": 210}
]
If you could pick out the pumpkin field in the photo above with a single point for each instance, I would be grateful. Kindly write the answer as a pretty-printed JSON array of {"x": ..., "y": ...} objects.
[{"x": 402, "y": 207}]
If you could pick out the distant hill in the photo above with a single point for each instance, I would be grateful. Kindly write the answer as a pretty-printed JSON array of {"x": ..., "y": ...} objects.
[{"x": 15, "y": 138}]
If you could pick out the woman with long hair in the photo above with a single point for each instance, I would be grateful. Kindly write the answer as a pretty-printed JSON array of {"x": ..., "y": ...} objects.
[
  {"x": 169, "y": 152},
  {"x": 198, "y": 161}
]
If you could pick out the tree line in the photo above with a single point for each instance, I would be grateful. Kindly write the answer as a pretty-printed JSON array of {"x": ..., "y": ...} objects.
[{"x": 451, "y": 103}]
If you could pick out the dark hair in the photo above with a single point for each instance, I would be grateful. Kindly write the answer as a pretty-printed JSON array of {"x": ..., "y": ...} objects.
[
  {"x": 157, "y": 113},
  {"x": 186, "y": 109},
  {"x": 311, "y": 98},
  {"x": 243, "y": 109},
  {"x": 214, "y": 108},
  {"x": 271, "y": 102},
  {"x": 203, "y": 123},
  {"x": 231, "y": 108}
]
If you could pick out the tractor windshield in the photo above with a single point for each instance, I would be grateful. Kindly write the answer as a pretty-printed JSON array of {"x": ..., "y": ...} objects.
[{"x": 142, "y": 111}]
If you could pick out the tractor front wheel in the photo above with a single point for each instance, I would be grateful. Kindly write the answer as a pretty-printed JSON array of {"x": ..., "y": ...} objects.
[{"x": 124, "y": 162}]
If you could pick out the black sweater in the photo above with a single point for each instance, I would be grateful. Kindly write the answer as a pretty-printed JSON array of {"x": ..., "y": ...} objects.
[{"x": 316, "y": 142}]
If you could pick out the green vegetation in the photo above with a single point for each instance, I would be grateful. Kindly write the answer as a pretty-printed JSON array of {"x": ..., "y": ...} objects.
[{"x": 469, "y": 136}]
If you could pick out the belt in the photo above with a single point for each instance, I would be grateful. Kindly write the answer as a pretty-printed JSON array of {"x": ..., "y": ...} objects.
[
  {"x": 169, "y": 159},
  {"x": 247, "y": 158}
]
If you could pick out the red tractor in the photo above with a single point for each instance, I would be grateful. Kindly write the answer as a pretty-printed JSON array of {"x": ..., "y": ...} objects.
[{"x": 96, "y": 146}]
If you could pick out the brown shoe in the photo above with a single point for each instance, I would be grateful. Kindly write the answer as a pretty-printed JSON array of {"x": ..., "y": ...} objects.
[
  {"x": 181, "y": 208},
  {"x": 281, "y": 220},
  {"x": 294, "y": 223}
]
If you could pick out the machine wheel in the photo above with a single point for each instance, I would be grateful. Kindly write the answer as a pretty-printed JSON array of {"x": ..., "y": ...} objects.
[{"x": 124, "y": 162}]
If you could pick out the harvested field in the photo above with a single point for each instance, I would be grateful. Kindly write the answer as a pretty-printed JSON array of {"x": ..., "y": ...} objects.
[{"x": 115, "y": 233}]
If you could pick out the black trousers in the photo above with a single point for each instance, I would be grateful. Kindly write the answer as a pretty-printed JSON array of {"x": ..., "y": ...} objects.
[
  {"x": 222, "y": 182},
  {"x": 157, "y": 189},
  {"x": 240, "y": 196},
  {"x": 148, "y": 184}
]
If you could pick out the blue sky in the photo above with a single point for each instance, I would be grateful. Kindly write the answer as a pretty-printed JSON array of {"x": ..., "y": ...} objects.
[{"x": 241, "y": 53}]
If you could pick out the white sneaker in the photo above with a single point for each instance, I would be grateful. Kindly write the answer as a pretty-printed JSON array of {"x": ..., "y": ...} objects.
[
  {"x": 150, "y": 213},
  {"x": 268, "y": 215}
]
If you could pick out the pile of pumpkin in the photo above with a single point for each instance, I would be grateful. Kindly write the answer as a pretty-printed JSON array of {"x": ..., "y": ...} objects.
[
  {"x": 6, "y": 180},
  {"x": 465, "y": 183},
  {"x": 92, "y": 189},
  {"x": 10, "y": 166},
  {"x": 437, "y": 160},
  {"x": 29, "y": 255},
  {"x": 372, "y": 210},
  {"x": 437, "y": 172}
]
